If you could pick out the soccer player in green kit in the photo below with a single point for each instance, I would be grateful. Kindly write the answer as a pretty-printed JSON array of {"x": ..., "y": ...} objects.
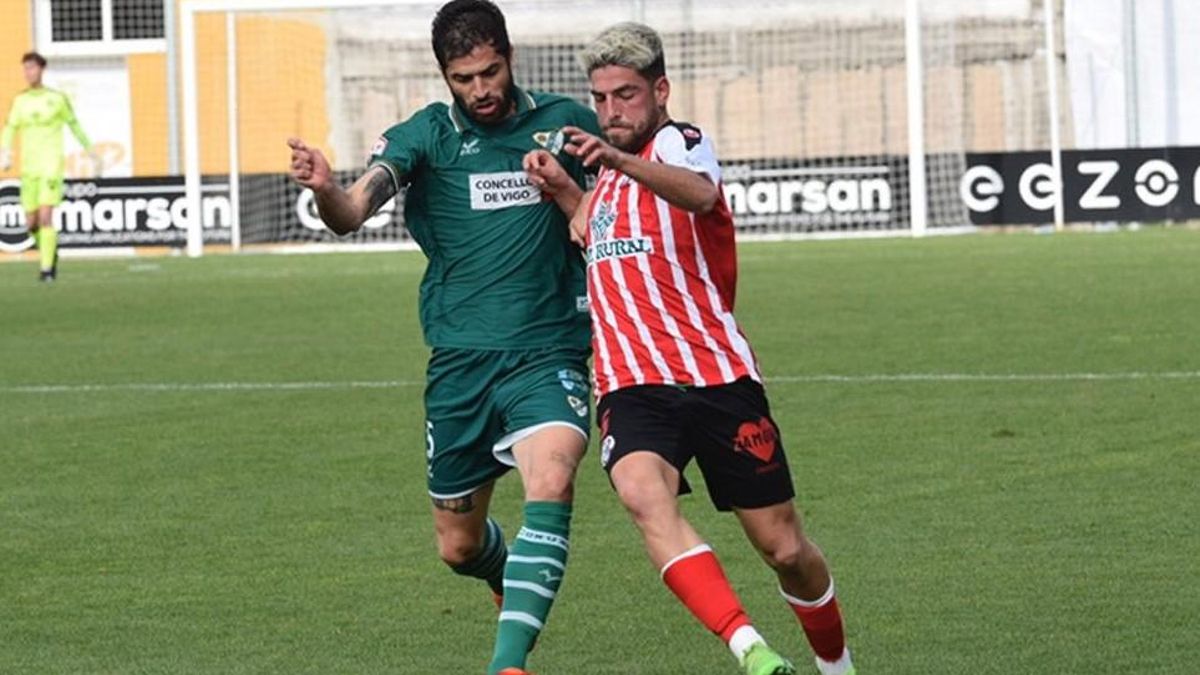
[
  {"x": 502, "y": 304},
  {"x": 40, "y": 113}
]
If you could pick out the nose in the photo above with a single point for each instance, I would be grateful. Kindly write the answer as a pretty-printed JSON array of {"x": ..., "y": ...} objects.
[{"x": 478, "y": 88}]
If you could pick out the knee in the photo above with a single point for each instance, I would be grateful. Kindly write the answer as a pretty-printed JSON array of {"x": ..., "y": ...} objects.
[
  {"x": 456, "y": 548},
  {"x": 796, "y": 556},
  {"x": 557, "y": 485},
  {"x": 645, "y": 503}
]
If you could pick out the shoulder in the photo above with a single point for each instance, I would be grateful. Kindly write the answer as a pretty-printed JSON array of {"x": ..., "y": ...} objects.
[
  {"x": 57, "y": 94},
  {"x": 685, "y": 145},
  {"x": 682, "y": 134},
  {"x": 429, "y": 117}
]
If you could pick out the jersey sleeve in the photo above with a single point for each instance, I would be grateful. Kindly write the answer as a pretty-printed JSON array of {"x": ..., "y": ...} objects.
[
  {"x": 402, "y": 149},
  {"x": 11, "y": 123},
  {"x": 68, "y": 114},
  {"x": 685, "y": 146}
]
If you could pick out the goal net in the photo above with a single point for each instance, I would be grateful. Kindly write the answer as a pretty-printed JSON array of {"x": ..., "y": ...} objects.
[{"x": 807, "y": 101}]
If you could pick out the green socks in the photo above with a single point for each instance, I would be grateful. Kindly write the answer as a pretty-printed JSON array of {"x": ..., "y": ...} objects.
[
  {"x": 47, "y": 243},
  {"x": 489, "y": 564},
  {"x": 534, "y": 572}
]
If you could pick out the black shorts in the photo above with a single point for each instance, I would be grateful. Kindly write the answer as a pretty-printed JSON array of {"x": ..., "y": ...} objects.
[{"x": 727, "y": 428}]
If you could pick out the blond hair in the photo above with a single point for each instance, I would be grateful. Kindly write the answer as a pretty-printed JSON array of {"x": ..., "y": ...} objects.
[{"x": 629, "y": 45}]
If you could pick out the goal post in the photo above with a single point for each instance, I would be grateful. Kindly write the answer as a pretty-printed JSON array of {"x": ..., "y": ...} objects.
[{"x": 832, "y": 118}]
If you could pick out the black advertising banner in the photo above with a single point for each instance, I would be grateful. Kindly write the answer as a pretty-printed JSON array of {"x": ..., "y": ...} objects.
[
  {"x": 276, "y": 210},
  {"x": 843, "y": 193},
  {"x": 121, "y": 212},
  {"x": 766, "y": 195},
  {"x": 1127, "y": 184}
]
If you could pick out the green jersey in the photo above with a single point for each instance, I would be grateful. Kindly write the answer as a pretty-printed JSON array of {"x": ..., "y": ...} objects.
[
  {"x": 40, "y": 114},
  {"x": 502, "y": 273}
]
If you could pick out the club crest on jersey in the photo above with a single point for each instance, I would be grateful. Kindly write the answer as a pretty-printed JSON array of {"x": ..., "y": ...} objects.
[
  {"x": 553, "y": 141},
  {"x": 602, "y": 220},
  {"x": 572, "y": 380}
]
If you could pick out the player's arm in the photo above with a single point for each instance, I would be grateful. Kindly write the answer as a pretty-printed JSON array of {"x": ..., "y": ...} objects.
[
  {"x": 579, "y": 220},
  {"x": 550, "y": 177},
  {"x": 73, "y": 124},
  {"x": 342, "y": 210},
  {"x": 6, "y": 137},
  {"x": 684, "y": 188}
]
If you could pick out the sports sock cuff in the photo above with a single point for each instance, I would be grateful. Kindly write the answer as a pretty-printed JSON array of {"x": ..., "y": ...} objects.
[
  {"x": 548, "y": 517},
  {"x": 695, "y": 550},
  {"x": 809, "y": 604},
  {"x": 490, "y": 559}
]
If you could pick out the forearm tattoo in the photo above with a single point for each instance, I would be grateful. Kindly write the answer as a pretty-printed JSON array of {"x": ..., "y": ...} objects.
[{"x": 379, "y": 189}]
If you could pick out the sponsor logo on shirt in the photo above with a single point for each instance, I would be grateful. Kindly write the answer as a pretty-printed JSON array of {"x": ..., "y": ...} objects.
[
  {"x": 470, "y": 147},
  {"x": 500, "y": 190},
  {"x": 619, "y": 248}
]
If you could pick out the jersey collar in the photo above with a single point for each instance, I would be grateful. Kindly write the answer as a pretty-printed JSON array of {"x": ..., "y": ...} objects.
[{"x": 462, "y": 121}]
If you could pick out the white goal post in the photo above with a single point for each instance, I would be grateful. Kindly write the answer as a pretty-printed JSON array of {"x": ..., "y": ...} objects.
[{"x": 833, "y": 118}]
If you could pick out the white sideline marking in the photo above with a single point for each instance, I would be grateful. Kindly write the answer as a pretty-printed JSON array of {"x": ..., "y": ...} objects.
[
  {"x": 991, "y": 377},
  {"x": 779, "y": 379}
]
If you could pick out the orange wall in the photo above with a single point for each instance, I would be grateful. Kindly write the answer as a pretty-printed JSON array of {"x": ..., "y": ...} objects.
[
  {"x": 148, "y": 113},
  {"x": 281, "y": 89},
  {"x": 17, "y": 39}
]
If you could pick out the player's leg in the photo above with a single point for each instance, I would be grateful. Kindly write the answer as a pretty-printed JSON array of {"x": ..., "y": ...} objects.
[
  {"x": 50, "y": 196},
  {"x": 804, "y": 580},
  {"x": 641, "y": 450},
  {"x": 460, "y": 468},
  {"x": 746, "y": 470},
  {"x": 30, "y": 199},
  {"x": 545, "y": 402},
  {"x": 469, "y": 542}
]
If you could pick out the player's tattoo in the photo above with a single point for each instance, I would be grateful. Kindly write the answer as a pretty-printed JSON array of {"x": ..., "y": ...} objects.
[
  {"x": 464, "y": 504},
  {"x": 379, "y": 189}
]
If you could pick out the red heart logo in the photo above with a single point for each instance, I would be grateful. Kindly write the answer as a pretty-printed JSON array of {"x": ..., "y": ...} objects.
[{"x": 757, "y": 438}]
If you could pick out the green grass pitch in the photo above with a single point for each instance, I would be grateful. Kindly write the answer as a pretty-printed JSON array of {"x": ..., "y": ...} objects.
[{"x": 1040, "y": 524}]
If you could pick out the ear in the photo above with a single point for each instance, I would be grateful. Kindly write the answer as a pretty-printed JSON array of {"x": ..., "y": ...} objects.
[{"x": 662, "y": 91}]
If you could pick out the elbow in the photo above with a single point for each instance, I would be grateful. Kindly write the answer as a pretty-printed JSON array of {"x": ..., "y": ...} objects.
[
  {"x": 707, "y": 202},
  {"x": 340, "y": 229}
]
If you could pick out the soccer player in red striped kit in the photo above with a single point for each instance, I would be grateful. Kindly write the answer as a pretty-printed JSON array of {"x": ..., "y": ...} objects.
[{"x": 675, "y": 376}]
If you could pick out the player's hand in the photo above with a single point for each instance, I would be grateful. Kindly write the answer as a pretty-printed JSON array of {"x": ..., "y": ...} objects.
[
  {"x": 545, "y": 172},
  {"x": 309, "y": 167},
  {"x": 591, "y": 149},
  {"x": 5, "y": 159}
]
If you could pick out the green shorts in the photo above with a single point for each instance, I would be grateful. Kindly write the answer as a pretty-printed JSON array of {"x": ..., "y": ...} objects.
[
  {"x": 479, "y": 403},
  {"x": 40, "y": 191}
]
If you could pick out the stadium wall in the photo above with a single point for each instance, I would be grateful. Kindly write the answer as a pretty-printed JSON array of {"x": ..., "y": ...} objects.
[{"x": 269, "y": 91}]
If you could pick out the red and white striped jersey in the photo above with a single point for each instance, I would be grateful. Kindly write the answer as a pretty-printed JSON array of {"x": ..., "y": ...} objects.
[{"x": 661, "y": 280}]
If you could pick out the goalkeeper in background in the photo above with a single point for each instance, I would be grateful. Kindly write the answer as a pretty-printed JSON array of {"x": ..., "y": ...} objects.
[{"x": 39, "y": 113}]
